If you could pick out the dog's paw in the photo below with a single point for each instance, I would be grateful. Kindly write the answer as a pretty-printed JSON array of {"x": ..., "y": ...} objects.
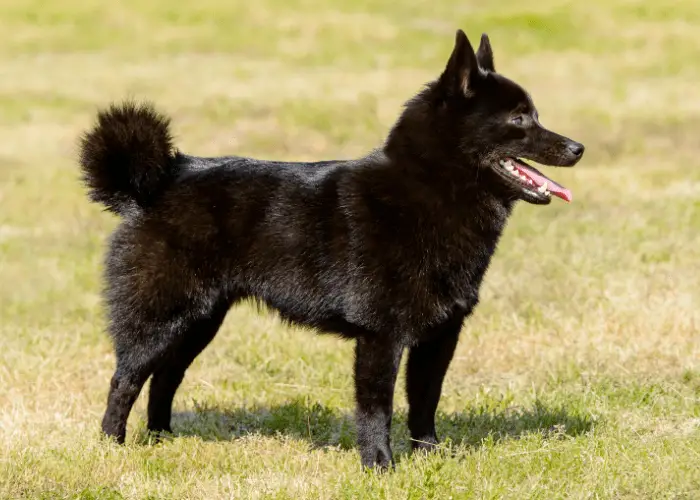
[{"x": 377, "y": 458}]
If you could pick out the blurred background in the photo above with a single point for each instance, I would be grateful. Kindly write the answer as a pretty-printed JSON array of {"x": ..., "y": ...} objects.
[{"x": 589, "y": 316}]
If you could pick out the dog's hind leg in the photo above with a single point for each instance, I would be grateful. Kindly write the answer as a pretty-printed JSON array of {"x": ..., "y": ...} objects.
[
  {"x": 141, "y": 348},
  {"x": 134, "y": 365},
  {"x": 425, "y": 372},
  {"x": 376, "y": 367},
  {"x": 168, "y": 376}
]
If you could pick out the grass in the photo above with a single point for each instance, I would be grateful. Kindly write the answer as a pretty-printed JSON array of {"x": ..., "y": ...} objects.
[{"x": 577, "y": 377}]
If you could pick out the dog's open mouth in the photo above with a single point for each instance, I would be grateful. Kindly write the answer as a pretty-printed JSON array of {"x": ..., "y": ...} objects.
[{"x": 533, "y": 181}]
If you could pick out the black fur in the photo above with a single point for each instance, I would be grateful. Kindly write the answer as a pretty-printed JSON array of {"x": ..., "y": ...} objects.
[
  {"x": 389, "y": 249},
  {"x": 128, "y": 158}
]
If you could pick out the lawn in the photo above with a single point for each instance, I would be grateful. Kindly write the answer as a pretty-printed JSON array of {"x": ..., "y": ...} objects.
[{"x": 577, "y": 377}]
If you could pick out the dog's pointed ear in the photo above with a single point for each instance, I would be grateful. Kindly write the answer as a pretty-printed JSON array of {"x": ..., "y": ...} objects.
[
  {"x": 462, "y": 68},
  {"x": 485, "y": 54}
]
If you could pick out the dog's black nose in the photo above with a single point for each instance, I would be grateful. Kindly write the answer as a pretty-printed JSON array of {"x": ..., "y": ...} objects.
[{"x": 576, "y": 148}]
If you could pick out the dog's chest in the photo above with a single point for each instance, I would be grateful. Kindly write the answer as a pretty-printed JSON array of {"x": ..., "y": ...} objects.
[
  {"x": 459, "y": 269},
  {"x": 459, "y": 263}
]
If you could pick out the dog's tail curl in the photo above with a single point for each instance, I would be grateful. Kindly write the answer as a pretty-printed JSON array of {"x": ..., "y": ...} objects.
[{"x": 127, "y": 158}]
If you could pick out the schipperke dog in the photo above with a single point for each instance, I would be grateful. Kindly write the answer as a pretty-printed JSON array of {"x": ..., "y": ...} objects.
[{"x": 389, "y": 250}]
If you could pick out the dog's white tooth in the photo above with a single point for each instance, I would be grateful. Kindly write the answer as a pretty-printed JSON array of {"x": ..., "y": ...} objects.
[
  {"x": 514, "y": 172},
  {"x": 523, "y": 177},
  {"x": 529, "y": 181},
  {"x": 501, "y": 163},
  {"x": 543, "y": 187},
  {"x": 509, "y": 167}
]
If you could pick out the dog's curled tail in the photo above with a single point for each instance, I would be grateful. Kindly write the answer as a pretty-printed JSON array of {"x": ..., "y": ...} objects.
[{"x": 128, "y": 158}]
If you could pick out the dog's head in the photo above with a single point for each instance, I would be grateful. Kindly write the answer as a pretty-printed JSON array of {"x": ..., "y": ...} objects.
[{"x": 489, "y": 123}]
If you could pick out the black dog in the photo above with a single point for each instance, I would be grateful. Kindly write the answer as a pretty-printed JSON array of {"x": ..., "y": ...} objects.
[{"x": 389, "y": 249}]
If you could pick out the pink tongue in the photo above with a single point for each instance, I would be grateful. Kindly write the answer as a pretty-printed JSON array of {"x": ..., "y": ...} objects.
[{"x": 539, "y": 179}]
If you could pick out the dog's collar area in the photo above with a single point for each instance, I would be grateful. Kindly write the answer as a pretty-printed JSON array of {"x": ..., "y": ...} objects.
[{"x": 534, "y": 181}]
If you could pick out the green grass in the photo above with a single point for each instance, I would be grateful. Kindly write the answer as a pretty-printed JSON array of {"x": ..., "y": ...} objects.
[{"x": 577, "y": 377}]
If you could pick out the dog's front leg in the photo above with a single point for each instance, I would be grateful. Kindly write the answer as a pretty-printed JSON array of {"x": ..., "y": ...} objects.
[
  {"x": 425, "y": 372},
  {"x": 376, "y": 365}
]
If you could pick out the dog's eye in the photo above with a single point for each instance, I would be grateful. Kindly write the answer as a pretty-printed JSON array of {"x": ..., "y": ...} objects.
[{"x": 517, "y": 120}]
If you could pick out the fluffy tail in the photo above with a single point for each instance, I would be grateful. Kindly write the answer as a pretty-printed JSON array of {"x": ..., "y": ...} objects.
[{"x": 128, "y": 158}]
